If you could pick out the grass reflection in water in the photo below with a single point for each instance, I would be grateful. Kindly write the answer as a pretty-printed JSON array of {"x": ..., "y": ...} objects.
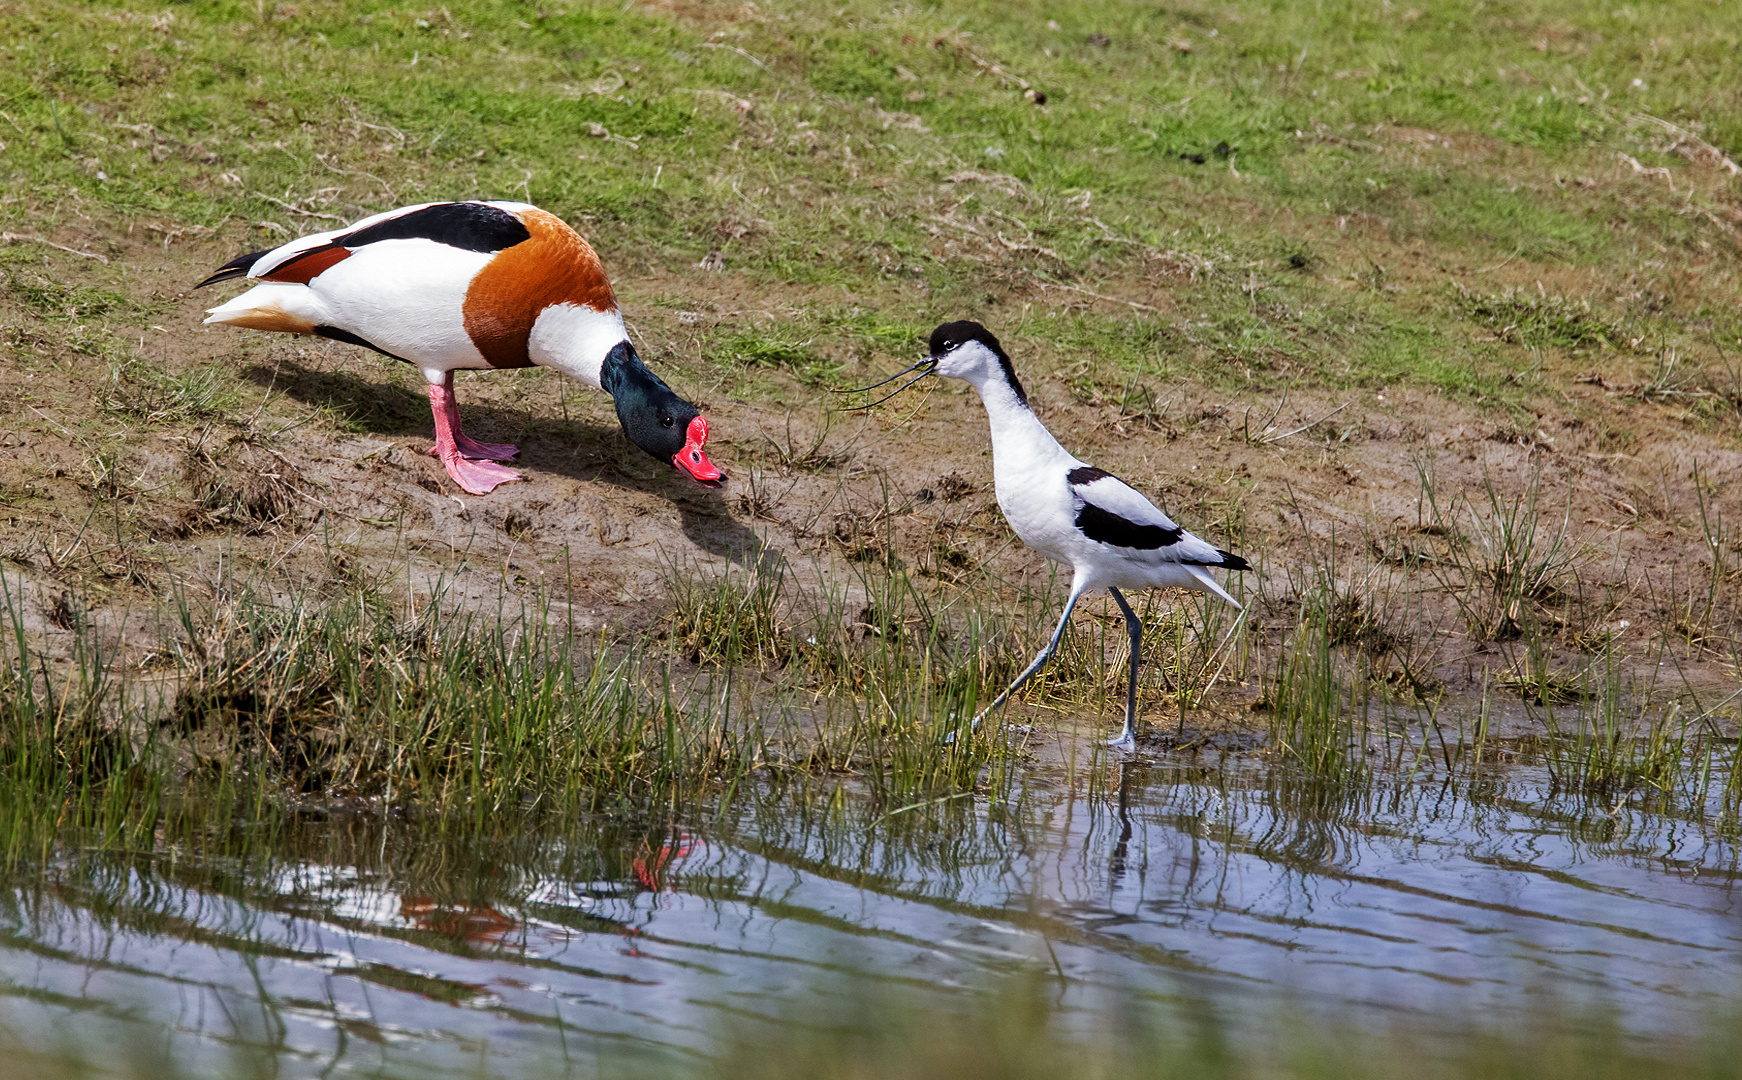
[{"x": 1197, "y": 918}]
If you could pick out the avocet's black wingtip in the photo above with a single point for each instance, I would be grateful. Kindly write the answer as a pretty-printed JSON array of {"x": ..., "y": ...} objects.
[{"x": 1231, "y": 561}]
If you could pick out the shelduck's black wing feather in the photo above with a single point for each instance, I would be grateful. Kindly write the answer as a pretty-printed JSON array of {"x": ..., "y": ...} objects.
[
  {"x": 235, "y": 268},
  {"x": 469, "y": 226}
]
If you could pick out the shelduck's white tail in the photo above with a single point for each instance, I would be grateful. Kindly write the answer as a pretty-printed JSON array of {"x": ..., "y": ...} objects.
[
  {"x": 269, "y": 306},
  {"x": 1208, "y": 583}
]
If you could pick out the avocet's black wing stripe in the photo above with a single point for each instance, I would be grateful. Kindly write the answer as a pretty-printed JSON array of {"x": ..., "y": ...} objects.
[
  {"x": 235, "y": 268},
  {"x": 1106, "y": 527},
  {"x": 1087, "y": 474},
  {"x": 1112, "y": 512},
  {"x": 1109, "y": 528},
  {"x": 468, "y": 226}
]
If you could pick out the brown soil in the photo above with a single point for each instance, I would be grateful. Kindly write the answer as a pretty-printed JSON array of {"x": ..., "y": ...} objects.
[{"x": 105, "y": 515}]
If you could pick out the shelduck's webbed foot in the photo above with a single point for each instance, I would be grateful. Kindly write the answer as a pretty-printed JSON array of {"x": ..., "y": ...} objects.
[
  {"x": 477, "y": 477},
  {"x": 468, "y": 461},
  {"x": 483, "y": 451}
]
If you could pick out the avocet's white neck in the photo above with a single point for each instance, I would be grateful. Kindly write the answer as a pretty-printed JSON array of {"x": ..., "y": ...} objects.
[
  {"x": 1020, "y": 442},
  {"x": 574, "y": 339}
]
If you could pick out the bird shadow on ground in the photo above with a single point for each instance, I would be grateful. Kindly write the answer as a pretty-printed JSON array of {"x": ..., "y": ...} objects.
[{"x": 577, "y": 449}]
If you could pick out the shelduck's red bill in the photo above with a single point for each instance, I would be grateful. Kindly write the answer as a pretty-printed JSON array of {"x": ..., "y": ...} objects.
[{"x": 693, "y": 459}]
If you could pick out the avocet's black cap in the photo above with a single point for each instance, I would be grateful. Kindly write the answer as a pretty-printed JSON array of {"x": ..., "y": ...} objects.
[{"x": 952, "y": 335}]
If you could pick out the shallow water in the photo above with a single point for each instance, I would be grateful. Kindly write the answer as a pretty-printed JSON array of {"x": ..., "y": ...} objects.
[{"x": 350, "y": 945}]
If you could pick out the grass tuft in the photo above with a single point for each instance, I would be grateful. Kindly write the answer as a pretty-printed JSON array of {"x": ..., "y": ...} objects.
[
  {"x": 1502, "y": 558},
  {"x": 1318, "y": 713},
  {"x": 1618, "y": 740},
  {"x": 1543, "y": 321},
  {"x": 145, "y": 392},
  {"x": 753, "y": 348},
  {"x": 730, "y": 619}
]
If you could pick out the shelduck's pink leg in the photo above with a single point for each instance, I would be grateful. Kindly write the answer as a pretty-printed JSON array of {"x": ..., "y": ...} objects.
[
  {"x": 477, "y": 477},
  {"x": 465, "y": 444},
  {"x": 468, "y": 446}
]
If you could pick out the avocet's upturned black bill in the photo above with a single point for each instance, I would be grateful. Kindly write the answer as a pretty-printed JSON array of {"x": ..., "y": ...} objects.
[
  {"x": 1073, "y": 513},
  {"x": 928, "y": 364}
]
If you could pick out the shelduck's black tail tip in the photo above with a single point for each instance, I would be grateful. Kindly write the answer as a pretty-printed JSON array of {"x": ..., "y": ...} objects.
[
  {"x": 1231, "y": 561},
  {"x": 235, "y": 268}
]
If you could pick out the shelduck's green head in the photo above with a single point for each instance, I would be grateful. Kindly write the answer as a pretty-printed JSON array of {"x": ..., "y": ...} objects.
[{"x": 656, "y": 419}]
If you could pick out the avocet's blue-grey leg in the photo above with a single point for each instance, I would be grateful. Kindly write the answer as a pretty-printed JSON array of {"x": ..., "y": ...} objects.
[
  {"x": 1127, "y": 740},
  {"x": 1077, "y": 591}
]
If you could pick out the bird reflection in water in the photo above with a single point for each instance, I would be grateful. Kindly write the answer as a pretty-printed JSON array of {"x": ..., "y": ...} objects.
[
  {"x": 651, "y": 866},
  {"x": 1116, "y": 867},
  {"x": 479, "y": 924}
]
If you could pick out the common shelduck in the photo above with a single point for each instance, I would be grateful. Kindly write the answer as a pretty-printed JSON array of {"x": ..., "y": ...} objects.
[
  {"x": 468, "y": 286},
  {"x": 1073, "y": 513}
]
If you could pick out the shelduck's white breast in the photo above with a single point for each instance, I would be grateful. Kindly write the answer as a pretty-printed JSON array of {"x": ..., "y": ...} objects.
[
  {"x": 544, "y": 301},
  {"x": 574, "y": 338}
]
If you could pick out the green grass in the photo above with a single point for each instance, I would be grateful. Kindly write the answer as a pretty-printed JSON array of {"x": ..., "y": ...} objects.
[
  {"x": 888, "y": 149},
  {"x": 363, "y": 696},
  {"x": 732, "y": 619},
  {"x": 1542, "y": 321},
  {"x": 751, "y": 348}
]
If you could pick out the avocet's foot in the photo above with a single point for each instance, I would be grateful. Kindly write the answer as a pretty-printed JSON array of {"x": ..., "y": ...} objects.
[
  {"x": 1125, "y": 743},
  {"x": 477, "y": 477},
  {"x": 482, "y": 451}
]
